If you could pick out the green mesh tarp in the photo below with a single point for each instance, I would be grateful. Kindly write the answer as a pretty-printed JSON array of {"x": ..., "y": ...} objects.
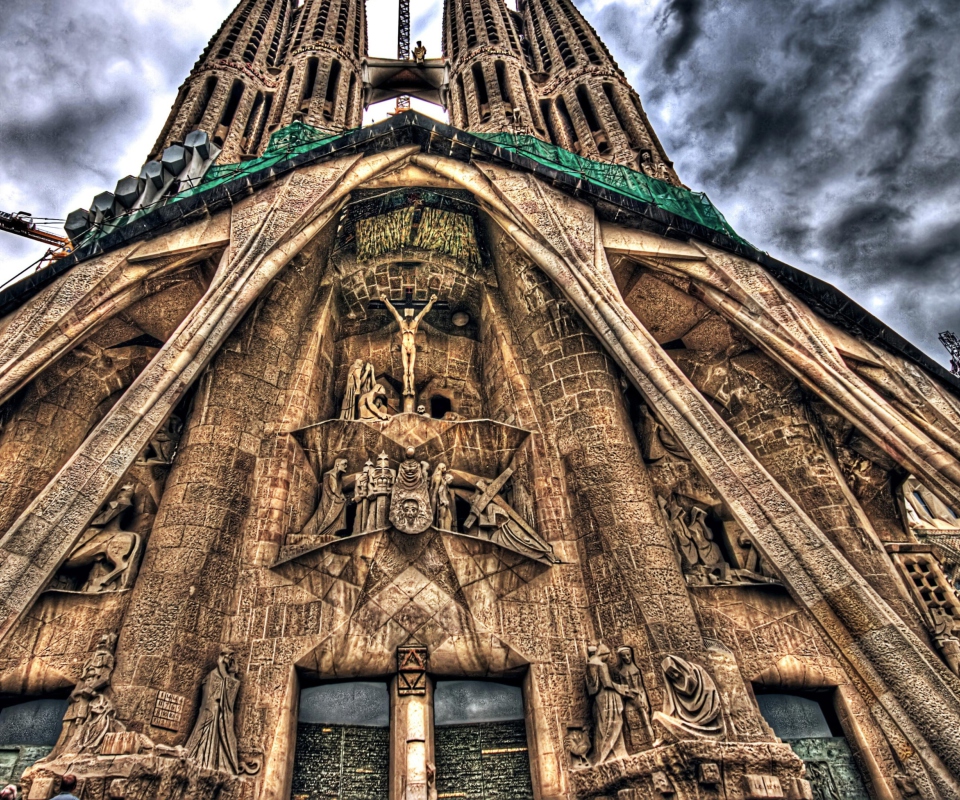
[
  {"x": 694, "y": 206},
  {"x": 299, "y": 138}
]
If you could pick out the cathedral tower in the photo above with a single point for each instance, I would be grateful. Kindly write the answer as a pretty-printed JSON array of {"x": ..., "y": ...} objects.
[
  {"x": 583, "y": 95},
  {"x": 270, "y": 64},
  {"x": 490, "y": 89},
  {"x": 232, "y": 89},
  {"x": 321, "y": 79}
]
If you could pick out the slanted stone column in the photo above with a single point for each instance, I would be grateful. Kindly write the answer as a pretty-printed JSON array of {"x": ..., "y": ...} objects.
[{"x": 185, "y": 592}]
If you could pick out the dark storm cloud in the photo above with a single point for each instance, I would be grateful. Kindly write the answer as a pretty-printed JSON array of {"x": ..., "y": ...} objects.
[
  {"x": 77, "y": 82},
  {"x": 827, "y": 130}
]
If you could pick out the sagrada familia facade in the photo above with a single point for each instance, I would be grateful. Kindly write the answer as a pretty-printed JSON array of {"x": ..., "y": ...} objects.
[{"x": 472, "y": 460}]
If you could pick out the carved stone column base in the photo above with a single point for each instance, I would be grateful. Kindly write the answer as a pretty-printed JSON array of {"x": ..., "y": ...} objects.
[
  {"x": 698, "y": 770},
  {"x": 127, "y": 776}
]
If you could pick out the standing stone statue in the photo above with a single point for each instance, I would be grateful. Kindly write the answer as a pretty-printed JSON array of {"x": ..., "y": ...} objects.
[
  {"x": 607, "y": 706},
  {"x": 331, "y": 515},
  {"x": 691, "y": 702},
  {"x": 628, "y": 674},
  {"x": 360, "y": 494},
  {"x": 408, "y": 340},
  {"x": 94, "y": 680},
  {"x": 380, "y": 490},
  {"x": 710, "y": 556},
  {"x": 674, "y": 515},
  {"x": 360, "y": 380},
  {"x": 446, "y": 516},
  {"x": 213, "y": 743}
]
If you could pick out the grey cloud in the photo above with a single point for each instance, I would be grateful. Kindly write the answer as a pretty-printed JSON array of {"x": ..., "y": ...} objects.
[{"x": 830, "y": 127}]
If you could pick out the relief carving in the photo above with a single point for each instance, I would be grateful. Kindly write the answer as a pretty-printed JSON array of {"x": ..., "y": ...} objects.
[
  {"x": 110, "y": 552},
  {"x": 361, "y": 381},
  {"x": 91, "y": 715},
  {"x": 410, "y": 508},
  {"x": 636, "y": 700},
  {"x": 213, "y": 743},
  {"x": 691, "y": 701},
  {"x": 409, "y": 324},
  {"x": 607, "y": 696}
]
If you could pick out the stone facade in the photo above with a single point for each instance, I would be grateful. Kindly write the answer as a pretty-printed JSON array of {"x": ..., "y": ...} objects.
[{"x": 408, "y": 413}]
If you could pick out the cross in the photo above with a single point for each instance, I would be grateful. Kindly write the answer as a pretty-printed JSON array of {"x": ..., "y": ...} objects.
[{"x": 408, "y": 303}]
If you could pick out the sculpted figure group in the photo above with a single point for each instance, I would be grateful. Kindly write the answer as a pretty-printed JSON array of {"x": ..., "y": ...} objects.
[{"x": 621, "y": 706}]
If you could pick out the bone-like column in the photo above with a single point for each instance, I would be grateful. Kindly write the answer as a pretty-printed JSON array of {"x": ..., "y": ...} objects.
[{"x": 269, "y": 231}]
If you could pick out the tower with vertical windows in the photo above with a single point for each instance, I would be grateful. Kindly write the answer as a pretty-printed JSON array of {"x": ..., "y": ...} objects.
[{"x": 474, "y": 460}]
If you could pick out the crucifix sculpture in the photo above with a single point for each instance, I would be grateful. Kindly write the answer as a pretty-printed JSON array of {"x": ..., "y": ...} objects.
[{"x": 409, "y": 324}]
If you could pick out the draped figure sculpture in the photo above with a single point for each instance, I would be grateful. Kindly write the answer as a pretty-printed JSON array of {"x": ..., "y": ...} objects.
[
  {"x": 360, "y": 381},
  {"x": 607, "y": 697},
  {"x": 213, "y": 742},
  {"x": 691, "y": 702}
]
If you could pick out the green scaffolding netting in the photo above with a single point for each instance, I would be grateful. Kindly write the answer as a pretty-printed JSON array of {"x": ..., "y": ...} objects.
[
  {"x": 694, "y": 206},
  {"x": 298, "y": 138}
]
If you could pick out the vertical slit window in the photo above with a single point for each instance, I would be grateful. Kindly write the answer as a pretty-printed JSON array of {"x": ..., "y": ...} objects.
[
  {"x": 350, "y": 119},
  {"x": 546, "y": 61},
  {"x": 262, "y": 127},
  {"x": 309, "y": 83},
  {"x": 566, "y": 122},
  {"x": 341, "y": 34},
  {"x": 252, "y": 121},
  {"x": 230, "y": 111},
  {"x": 333, "y": 88},
  {"x": 619, "y": 111},
  {"x": 462, "y": 98},
  {"x": 502, "y": 83},
  {"x": 547, "y": 112},
  {"x": 483, "y": 99},
  {"x": 468, "y": 24},
  {"x": 278, "y": 33},
  {"x": 356, "y": 29}
]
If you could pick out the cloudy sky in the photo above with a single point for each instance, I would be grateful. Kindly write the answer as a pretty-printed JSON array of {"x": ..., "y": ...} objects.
[{"x": 828, "y": 131}]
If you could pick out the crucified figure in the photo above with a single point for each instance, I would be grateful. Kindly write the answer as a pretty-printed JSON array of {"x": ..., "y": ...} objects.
[{"x": 408, "y": 336}]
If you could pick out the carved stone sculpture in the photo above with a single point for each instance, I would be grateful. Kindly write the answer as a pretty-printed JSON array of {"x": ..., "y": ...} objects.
[
  {"x": 578, "y": 744},
  {"x": 628, "y": 675},
  {"x": 691, "y": 702},
  {"x": 507, "y": 528},
  {"x": 607, "y": 706},
  {"x": 945, "y": 635},
  {"x": 408, "y": 340},
  {"x": 360, "y": 381},
  {"x": 163, "y": 446},
  {"x": 331, "y": 516},
  {"x": 213, "y": 742},
  {"x": 446, "y": 516},
  {"x": 91, "y": 715},
  {"x": 656, "y": 441},
  {"x": 361, "y": 493},
  {"x": 410, "y": 508},
  {"x": 382, "y": 479},
  {"x": 372, "y": 404},
  {"x": 109, "y": 551}
]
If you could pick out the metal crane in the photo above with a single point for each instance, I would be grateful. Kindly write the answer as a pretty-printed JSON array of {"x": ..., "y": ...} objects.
[
  {"x": 23, "y": 224},
  {"x": 403, "y": 48}
]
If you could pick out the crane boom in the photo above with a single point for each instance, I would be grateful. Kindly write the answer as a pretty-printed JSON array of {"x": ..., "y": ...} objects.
[
  {"x": 22, "y": 224},
  {"x": 403, "y": 48}
]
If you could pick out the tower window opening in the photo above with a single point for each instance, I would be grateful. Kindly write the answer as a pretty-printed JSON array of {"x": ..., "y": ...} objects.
[
  {"x": 252, "y": 121},
  {"x": 333, "y": 87},
  {"x": 620, "y": 112},
  {"x": 546, "y": 61},
  {"x": 569, "y": 59},
  {"x": 462, "y": 102},
  {"x": 278, "y": 35},
  {"x": 282, "y": 98},
  {"x": 483, "y": 99},
  {"x": 528, "y": 95},
  {"x": 547, "y": 113},
  {"x": 320, "y": 26},
  {"x": 454, "y": 31},
  {"x": 341, "y": 34},
  {"x": 356, "y": 30},
  {"x": 569, "y": 129},
  {"x": 492, "y": 36},
  {"x": 262, "y": 126},
  {"x": 229, "y": 112},
  {"x": 503, "y": 85},
  {"x": 469, "y": 25},
  {"x": 440, "y": 406},
  {"x": 349, "y": 121},
  {"x": 590, "y": 115},
  {"x": 309, "y": 83}
]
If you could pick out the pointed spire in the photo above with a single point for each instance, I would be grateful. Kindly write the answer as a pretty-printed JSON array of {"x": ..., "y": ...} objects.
[{"x": 583, "y": 95}]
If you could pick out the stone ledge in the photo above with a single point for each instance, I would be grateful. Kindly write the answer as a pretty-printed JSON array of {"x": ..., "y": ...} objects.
[{"x": 680, "y": 762}]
